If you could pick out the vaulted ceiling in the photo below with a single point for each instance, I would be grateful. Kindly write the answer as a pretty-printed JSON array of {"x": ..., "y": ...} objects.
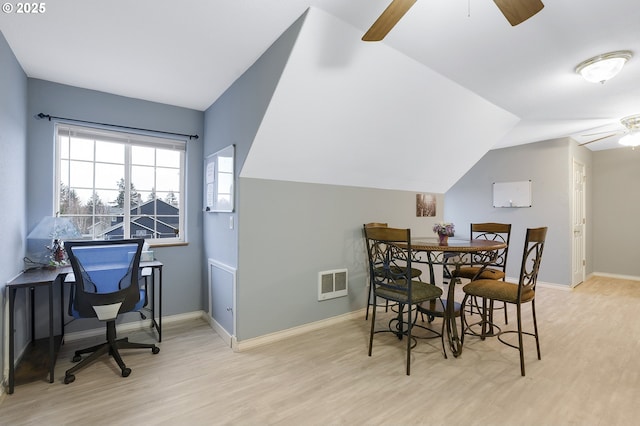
[
  {"x": 370, "y": 117},
  {"x": 188, "y": 53}
]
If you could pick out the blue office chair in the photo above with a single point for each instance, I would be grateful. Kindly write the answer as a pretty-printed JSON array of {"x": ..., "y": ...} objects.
[{"x": 106, "y": 285}]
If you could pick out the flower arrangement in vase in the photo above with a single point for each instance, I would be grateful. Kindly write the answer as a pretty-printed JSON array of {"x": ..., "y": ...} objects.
[{"x": 444, "y": 231}]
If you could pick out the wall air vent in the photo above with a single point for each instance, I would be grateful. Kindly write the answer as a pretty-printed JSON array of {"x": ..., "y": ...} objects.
[{"x": 332, "y": 284}]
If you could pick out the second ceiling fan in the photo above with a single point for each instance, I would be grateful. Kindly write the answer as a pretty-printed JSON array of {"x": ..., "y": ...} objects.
[{"x": 516, "y": 12}]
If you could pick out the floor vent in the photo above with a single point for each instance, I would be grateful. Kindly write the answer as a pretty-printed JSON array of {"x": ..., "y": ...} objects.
[{"x": 332, "y": 284}]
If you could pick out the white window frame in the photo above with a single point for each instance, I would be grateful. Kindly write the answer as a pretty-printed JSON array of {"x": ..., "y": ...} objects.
[{"x": 127, "y": 139}]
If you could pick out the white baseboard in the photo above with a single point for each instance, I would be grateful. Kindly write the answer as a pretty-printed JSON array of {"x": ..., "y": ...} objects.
[
  {"x": 554, "y": 286},
  {"x": 243, "y": 345},
  {"x": 220, "y": 331},
  {"x": 133, "y": 326},
  {"x": 618, "y": 276}
]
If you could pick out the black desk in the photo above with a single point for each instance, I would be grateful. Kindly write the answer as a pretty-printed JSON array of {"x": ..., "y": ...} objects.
[{"x": 47, "y": 278}]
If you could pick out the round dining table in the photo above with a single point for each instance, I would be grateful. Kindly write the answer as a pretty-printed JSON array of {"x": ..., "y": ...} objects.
[{"x": 454, "y": 253}]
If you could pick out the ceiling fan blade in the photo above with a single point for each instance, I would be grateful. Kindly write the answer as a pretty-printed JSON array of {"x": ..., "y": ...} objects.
[
  {"x": 388, "y": 20},
  {"x": 518, "y": 11},
  {"x": 599, "y": 139}
]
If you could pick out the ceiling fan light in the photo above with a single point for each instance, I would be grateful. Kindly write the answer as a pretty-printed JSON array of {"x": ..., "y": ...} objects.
[
  {"x": 603, "y": 67},
  {"x": 632, "y": 139},
  {"x": 631, "y": 122}
]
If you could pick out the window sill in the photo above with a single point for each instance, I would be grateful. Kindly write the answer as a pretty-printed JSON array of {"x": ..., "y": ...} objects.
[{"x": 169, "y": 244}]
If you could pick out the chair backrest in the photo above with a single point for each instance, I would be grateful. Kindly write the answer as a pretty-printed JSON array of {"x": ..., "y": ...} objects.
[
  {"x": 389, "y": 252},
  {"x": 531, "y": 257},
  {"x": 376, "y": 225},
  {"x": 106, "y": 273},
  {"x": 494, "y": 232}
]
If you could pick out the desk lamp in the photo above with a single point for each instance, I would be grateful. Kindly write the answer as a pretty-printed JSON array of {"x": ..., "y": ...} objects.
[{"x": 55, "y": 230}]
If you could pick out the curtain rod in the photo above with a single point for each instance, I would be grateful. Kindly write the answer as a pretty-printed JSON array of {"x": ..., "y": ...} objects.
[{"x": 49, "y": 117}]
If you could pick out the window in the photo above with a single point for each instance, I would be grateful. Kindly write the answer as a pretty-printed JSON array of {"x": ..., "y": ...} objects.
[{"x": 117, "y": 185}]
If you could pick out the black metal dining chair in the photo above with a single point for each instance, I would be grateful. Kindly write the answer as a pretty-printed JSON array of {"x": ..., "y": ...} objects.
[
  {"x": 389, "y": 254},
  {"x": 512, "y": 293},
  {"x": 496, "y": 269},
  {"x": 371, "y": 299}
]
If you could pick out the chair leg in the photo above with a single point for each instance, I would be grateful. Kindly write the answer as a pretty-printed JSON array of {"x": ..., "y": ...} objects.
[
  {"x": 490, "y": 316},
  {"x": 400, "y": 322},
  {"x": 87, "y": 350},
  {"x": 535, "y": 326},
  {"x": 110, "y": 347},
  {"x": 116, "y": 355},
  {"x": 409, "y": 326},
  {"x": 373, "y": 323},
  {"x": 473, "y": 302},
  {"x": 444, "y": 320},
  {"x": 520, "y": 347},
  {"x": 97, "y": 353},
  {"x": 366, "y": 317},
  {"x": 463, "y": 319},
  {"x": 114, "y": 343},
  {"x": 483, "y": 314}
]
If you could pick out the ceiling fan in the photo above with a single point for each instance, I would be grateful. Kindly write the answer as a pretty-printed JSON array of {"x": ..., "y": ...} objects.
[
  {"x": 516, "y": 12},
  {"x": 631, "y": 132}
]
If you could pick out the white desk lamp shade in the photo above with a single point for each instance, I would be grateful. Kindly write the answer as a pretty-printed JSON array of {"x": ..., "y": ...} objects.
[{"x": 54, "y": 228}]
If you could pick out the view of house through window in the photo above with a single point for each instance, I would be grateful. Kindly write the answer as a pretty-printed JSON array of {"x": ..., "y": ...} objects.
[{"x": 117, "y": 185}]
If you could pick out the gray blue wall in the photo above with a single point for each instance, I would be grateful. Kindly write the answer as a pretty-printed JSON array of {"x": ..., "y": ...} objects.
[
  {"x": 13, "y": 151},
  {"x": 287, "y": 232},
  {"x": 183, "y": 288},
  {"x": 234, "y": 119},
  {"x": 616, "y": 212},
  {"x": 290, "y": 231},
  {"x": 548, "y": 165}
]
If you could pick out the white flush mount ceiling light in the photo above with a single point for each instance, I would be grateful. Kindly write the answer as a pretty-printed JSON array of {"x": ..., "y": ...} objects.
[
  {"x": 632, "y": 138},
  {"x": 603, "y": 67}
]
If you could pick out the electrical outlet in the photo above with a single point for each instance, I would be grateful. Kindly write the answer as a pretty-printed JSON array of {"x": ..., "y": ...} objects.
[{"x": 230, "y": 222}]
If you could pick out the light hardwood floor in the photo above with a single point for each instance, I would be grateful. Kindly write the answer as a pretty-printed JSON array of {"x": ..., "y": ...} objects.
[{"x": 588, "y": 375}]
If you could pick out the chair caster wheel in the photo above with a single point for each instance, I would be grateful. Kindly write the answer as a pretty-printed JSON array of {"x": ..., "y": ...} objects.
[
  {"x": 69, "y": 379},
  {"x": 76, "y": 358},
  {"x": 126, "y": 372},
  {"x": 155, "y": 350}
]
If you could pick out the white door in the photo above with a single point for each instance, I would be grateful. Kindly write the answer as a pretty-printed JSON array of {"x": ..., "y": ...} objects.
[{"x": 579, "y": 220}]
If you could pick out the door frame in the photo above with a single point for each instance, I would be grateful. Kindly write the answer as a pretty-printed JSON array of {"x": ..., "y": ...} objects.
[{"x": 578, "y": 224}]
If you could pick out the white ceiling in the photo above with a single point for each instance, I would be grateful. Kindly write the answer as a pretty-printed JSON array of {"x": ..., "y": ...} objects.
[
  {"x": 188, "y": 52},
  {"x": 347, "y": 121}
]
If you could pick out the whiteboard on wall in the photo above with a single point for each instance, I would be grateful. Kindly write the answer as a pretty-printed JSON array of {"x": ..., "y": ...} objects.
[
  {"x": 512, "y": 194},
  {"x": 219, "y": 179}
]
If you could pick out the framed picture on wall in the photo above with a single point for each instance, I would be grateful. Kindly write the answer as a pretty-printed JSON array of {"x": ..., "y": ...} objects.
[{"x": 425, "y": 205}]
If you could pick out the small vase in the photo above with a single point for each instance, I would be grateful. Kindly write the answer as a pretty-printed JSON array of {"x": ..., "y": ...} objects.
[{"x": 443, "y": 239}]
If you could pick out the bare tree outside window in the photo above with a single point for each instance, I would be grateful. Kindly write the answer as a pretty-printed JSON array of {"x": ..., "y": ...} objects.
[{"x": 117, "y": 185}]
